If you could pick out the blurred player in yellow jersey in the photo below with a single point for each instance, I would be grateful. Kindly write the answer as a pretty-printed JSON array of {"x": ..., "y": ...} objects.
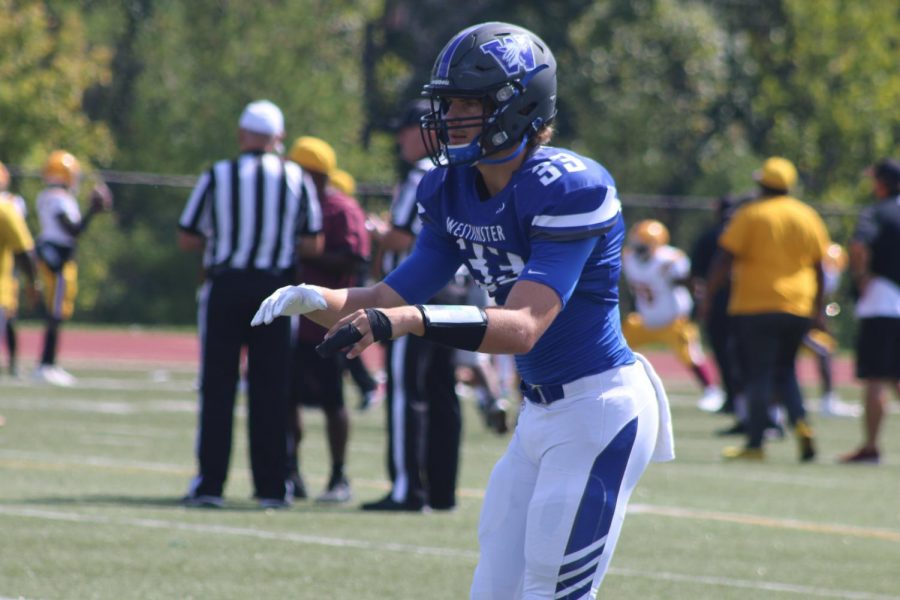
[
  {"x": 9, "y": 285},
  {"x": 16, "y": 249},
  {"x": 61, "y": 225},
  {"x": 819, "y": 342},
  {"x": 657, "y": 275}
]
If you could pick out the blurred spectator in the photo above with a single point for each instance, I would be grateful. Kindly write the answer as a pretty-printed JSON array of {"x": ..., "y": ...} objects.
[
  {"x": 773, "y": 248},
  {"x": 717, "y": 323},
  {"x": 821, "y": 344},
  {"x": 371, "y": 390},
  {"x": 317, "y": 380},
  {"x": 424, "y": 417},
  {"x": 247, "y": 215},
  {"x": 61, "y": 226},
  {"x": 477, "y": 370},
  {"x": 657, "y": 275},
  {"x": 875, "y": 266}
]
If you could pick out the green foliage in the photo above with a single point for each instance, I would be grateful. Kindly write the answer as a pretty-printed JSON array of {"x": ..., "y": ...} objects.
[
  {"x": 651, "y": 81},
  {"x": 826, "y": 89},
  {"x": 674, "y": 96},
  {"x": 46, "y": 64}
]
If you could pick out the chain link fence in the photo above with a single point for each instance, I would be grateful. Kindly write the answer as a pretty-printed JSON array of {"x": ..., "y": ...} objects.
[{"x": 148, "y": 272}]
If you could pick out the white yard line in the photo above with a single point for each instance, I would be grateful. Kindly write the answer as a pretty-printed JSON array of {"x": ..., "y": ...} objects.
[
  {"x": 410, "y": 549},
  {"x": 111, "y": 383},
  {"x": 769, "y": 586},
  {"x": 103, "y": 406}
]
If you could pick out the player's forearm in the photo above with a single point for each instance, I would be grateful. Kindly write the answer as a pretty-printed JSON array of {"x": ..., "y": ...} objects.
[
  {"x": 507, "y": 332},
  {"x": 342, "y": 302}
]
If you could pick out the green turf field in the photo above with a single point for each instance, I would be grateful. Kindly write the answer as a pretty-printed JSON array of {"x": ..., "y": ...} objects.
[{"x": 90, "y": 477}]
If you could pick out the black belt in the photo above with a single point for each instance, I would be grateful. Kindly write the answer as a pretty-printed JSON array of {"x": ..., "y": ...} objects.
[
  {"x": 218, "y": 270},
  {"x": 542, "y": 394}
]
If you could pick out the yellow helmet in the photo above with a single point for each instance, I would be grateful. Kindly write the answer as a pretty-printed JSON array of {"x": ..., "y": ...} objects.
[
  {"x": 61, "y": 167},
  {"x": 343, "y": 181},
  {"x": 4, "y": 177},
  {"x": 313, "y": 154},
  {"x": 835, "y": 259},
  {"x": 649, "y": 234}
]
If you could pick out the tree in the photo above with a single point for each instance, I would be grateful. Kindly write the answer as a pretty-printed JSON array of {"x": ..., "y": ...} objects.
[{"x": 46, "y": 64}]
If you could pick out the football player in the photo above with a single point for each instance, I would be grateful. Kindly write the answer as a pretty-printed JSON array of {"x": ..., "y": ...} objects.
[
  {"x": 541, "y": 229},
  {"x": 9, "y": 285},
  {"x": 61, "y": 224},
  {"x": 657, "y": 274},
  {"x": 821, "y": 344}
]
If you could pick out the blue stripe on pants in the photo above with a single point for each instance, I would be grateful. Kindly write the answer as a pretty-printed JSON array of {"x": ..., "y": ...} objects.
[{"x": 598, "y": 502}]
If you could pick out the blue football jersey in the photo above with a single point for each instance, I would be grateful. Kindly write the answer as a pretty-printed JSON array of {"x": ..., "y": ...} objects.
[{"x": 558, "y": 222}]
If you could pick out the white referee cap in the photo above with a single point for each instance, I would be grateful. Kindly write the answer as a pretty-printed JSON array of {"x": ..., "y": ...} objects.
[{"x": 262, "y": 117}]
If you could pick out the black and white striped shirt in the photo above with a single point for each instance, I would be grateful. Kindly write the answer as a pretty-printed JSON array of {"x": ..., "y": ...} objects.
[
  {"x": 251, "y": 211},
  {"x": 404, "y": 214}
]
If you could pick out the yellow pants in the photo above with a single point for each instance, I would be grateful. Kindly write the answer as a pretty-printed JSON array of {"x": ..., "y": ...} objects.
[
  {"x": 60, "y": 289},
  {"x": 817, "y": 342},
  {"x": 681, "y": 336}
]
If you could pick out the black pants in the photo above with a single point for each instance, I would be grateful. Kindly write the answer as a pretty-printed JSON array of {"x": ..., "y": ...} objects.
[
  {"x": 768, "y": 345},
  {"x": 720, "y": 331},
  {"x": 233, "y": 299},
  {"x": 424, "y": 422}
]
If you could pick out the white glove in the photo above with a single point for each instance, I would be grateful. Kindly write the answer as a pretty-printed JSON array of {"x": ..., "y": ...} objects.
[{"x": 289, "y": 300}]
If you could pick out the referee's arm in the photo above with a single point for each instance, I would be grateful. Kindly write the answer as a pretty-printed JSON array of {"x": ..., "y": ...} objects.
[
  {"x": 190, "y": 242},
  {"x": 310, "y": 245}
]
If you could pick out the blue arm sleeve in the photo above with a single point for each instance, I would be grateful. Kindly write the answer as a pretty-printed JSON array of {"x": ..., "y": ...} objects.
[
  {"x": 558, "y": 265},
  {"x": 433, "y": 263}
]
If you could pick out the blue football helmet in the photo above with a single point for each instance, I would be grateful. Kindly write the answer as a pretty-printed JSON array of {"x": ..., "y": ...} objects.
[{"x": 513, "y": 73}]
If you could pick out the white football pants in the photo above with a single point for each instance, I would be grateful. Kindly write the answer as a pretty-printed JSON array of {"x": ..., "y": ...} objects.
[{"x": 556, "y": 500}]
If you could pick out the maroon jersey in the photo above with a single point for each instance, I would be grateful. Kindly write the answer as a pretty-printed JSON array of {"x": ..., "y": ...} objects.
[{"x": 344, "y": 229}]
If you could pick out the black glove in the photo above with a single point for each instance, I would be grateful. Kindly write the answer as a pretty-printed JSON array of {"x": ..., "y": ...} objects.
[{"x": 345, "y": 336}]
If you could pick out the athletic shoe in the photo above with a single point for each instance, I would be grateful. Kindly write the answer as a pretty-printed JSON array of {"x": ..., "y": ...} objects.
[
  {"x": 737, "y": 429},
  {"x": 63, "y": 377},
  {"x": 338, "y": 492},
  {"x": 54, "y": 376},
  {"x": 389, "y": 504},
  {"x": 273, "y": 503},
  {"x": 832, "y": 406},
  {"x": 862, "y": 456},
  {"x": 191, "y": 501},
  {"x": 805, "y": 441},
  {"x": 495, "y": 416},
  {"x": 747, "y": 454},
  {"x": 371, "y": 398},
  {"x": 712, "y": 400},
  {"x": 296, "y": 480}
]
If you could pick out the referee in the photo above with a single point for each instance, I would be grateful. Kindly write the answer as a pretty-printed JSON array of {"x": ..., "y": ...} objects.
[
  {"x": 248, "y": 216},
  {"x": 424, "y": 418}
]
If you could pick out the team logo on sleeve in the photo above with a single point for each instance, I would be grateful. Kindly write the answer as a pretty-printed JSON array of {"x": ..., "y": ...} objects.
[{"x": 513, "y": 52}]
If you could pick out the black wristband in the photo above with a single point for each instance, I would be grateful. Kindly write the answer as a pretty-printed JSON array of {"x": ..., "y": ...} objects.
[{"x": 379, "y": 324}]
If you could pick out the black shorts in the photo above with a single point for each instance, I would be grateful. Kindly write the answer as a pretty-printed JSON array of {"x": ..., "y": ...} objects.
[
  {"x": 316, "y": 381},
  {"x": 878, "y": 348}
]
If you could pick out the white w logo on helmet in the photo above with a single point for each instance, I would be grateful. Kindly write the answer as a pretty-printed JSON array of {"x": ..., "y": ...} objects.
[{"x": 514, "y": 53}]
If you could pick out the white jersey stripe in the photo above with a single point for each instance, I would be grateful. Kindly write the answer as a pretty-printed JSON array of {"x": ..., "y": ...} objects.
[{"x": 608, "y": 209}]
